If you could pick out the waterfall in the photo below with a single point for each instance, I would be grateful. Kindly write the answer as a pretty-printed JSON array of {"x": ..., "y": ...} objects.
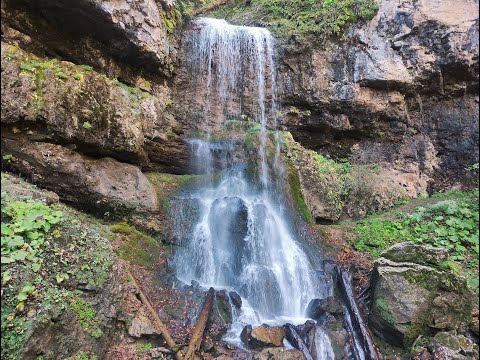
[{"x": 240, "y": 238}]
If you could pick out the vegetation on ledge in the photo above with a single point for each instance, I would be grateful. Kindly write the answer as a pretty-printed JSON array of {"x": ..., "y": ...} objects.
[
  {"x": 449, "y": 220},
  {"x": 48, "y": 253},
  {"x": 288, "y": 18}
]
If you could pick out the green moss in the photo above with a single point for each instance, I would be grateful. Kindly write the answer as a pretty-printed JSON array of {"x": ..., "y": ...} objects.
[
  {"x": 78, "y": 76},
  {"x": 382, "y": 306},
  {"x": 12, "y": 49},
  {"x": 86, "y": 315},
  {"x": 86, "y": 68},
  {"x": 166, "y": 185},
  {"x": 36, "y": 67},
  {"x": 136, "y": 246},
  {"x": 135, "y": 94},
  {"x": 296, "y": 193},
  {"x": 77, "y": 247},
  {"x": 425, "y": 279},
  {"x": 419, "y": 327},
  {"x": 15, "y": 331}
]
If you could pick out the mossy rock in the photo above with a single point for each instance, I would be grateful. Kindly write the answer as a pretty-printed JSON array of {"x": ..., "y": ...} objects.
[
  {"x": 411, "y": 299},
  {"x": 135, "y": 246}
]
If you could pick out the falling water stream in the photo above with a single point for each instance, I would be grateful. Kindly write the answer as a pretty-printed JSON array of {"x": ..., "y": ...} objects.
[{"x": 241, "y": 239}]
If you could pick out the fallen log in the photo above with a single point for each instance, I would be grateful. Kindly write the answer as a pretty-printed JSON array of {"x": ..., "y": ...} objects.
[
  {"x": 358, "y": 321},
  {"x": 198, "y": 331},
  {"x": 157, "y": 321},
  {"x": 209, "y": 7},
  {"x": 296, "y": 340}
]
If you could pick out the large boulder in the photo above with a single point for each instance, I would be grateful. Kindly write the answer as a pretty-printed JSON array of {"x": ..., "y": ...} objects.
[
  {"x": 332, "y": 190},
  {"x": 411, "y": 299},
  {"x": 414, "y": 253},
  {"x": 101, "y": 185},
  {"x": 220, "y": 318},
  {"x": 97, "y": 32},
  {"x": 263, "y": 336}
]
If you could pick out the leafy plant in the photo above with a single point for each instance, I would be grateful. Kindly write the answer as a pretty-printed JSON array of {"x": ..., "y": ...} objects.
[
  {"x": 86, "y": 315},
  {"x": 24, "y": 225},
  {"x": 86, "y": 125},
  {"x": 27, "y": 291},
  {"x": 78, "y": 76},
  {"x": 87, "y": 68},
  {"x": 135, "y": 93},
  {"x": 293, "y": 110},
  {"x": 8, "y": 158},
  {"x": 142, "y": 348}
]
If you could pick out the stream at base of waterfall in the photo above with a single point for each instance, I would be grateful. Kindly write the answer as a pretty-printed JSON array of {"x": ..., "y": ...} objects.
[{"x": 240, "y": 238}]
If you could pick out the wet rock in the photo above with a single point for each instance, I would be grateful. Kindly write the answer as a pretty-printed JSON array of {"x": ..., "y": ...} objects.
[
  {"x": 279, "y": 354},
  {"x": 234, "y": 226},
  {"x": 410, "y": 299},
  {"x": 334, "y": 328},
  {"x": 236, "y": 299},
  {"x": 266, "y": 291},
  {"x": 220, "y": 317},
  {"x": 414, "y": 253},
  {"x": 304, "y": 329},
  {"x": 263, "y": 336},
  {"x": 318, "y": 307},
  {"x": 450, "y": 345},
  {"x": 207, "y": 345}
]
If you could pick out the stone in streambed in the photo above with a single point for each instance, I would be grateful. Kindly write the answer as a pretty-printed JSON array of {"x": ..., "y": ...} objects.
[
  {"x": 263, "y": 336},
  {"x": 236, "y": 299},
  {"x": 279, "y": 354},
  {"x": 318, "y": 307}
]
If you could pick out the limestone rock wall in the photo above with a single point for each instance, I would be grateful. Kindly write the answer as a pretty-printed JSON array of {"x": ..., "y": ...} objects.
[{"x": 401, "y": 90}]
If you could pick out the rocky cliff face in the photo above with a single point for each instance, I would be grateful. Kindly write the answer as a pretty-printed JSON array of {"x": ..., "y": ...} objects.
[
  {"x": 92, "y": 76},
  {"x": 401, "y": 90}
]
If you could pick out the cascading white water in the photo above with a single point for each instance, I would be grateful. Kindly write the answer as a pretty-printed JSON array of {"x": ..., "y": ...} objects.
[
  {"x": 323, "y": 345},
  {"x": 241, "y": 240}
]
